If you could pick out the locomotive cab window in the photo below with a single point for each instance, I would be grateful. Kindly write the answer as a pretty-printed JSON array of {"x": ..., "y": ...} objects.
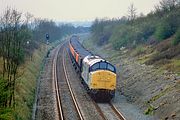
[
  {"x": 111, "y": 68},
  {"x": 94, "y": 67},
  {"x": 103, "y": 65}
]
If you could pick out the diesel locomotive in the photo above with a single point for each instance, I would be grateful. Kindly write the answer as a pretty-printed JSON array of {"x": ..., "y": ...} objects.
[{"x": 97, "y": 74}]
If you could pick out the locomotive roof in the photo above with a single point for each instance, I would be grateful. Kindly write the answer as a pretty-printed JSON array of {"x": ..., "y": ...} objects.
[
  {"x": 78, "y": 47},
  {"x": 91, "y": 60}
]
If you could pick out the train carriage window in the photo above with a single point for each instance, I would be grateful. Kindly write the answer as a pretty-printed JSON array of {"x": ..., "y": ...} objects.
[{"x": 103, "y": 65}]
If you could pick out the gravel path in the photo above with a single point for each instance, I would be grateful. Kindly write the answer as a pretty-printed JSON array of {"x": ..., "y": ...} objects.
[{"x": 45, "y": 106}]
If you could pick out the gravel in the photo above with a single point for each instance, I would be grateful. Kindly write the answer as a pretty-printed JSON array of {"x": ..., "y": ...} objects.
[
  {"x": 129, "y": 110},
  {"x": 45, "y": 106},
  {"x": 108, "y": 112}
]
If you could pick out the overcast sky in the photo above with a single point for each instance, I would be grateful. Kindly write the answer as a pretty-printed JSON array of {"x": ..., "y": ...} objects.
[{"x": 78, "y": 10}]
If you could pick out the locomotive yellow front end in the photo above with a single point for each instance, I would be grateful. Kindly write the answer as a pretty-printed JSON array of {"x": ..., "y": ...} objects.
[
  {"x": 103, "y": 80},
  {"x": 100, "y": 78}
]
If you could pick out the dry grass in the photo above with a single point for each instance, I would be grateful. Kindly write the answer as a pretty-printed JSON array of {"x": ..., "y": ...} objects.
[
  {"x": 173, "y": 65},
  {"x": 164, "y": 45},
  {"x": 166, "y": 56},
  {"x": 26, "y": 84},
  {"x": 139, "y": 50}
]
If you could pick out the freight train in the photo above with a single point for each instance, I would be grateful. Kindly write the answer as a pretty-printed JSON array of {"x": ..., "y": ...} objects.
[{"x": 97, "y": 75}]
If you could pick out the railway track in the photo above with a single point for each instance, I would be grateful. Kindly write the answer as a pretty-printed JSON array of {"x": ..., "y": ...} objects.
[
  {"x": 100, "y": 111},
  {"x": 54, "y": 77},
  {"x": 111, "y": 106},
  {"x": 70, "y": 89},
  {"x": 108, "y": 108},
  {"x": 61, "y": 85},
  {"x": 117, "y": 112}
]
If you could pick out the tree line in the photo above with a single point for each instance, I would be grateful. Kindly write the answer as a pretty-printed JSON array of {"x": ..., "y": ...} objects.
[
  {"x": 133, "y": 29},
  {"x": 20, "y": 35},
  {"x": 13, "y": 33}
]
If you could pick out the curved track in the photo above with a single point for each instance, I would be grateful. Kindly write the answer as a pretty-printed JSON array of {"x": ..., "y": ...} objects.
[
  {"x": 54, "y": 77},
  {"x": 111, "y": 108},
  {"x": 59, "y": 85},
  {"x": 70, "y": 89}
]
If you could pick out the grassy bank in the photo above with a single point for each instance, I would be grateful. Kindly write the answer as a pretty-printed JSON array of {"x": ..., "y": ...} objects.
[
  {"x": 25, "y": 87},
  {"x": 147, "y": 78}
]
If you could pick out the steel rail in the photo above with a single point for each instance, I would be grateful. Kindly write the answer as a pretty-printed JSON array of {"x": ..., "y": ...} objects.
[
  {"x": 116, "y": 111},
  {"x": 59, "y": 104},
  {"x": 70, "y": 88}
]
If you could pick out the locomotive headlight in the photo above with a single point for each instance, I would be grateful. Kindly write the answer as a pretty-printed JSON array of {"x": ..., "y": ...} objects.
[
  {"x": 94, "y": 84},
  {"x": 112, "y": 86}
]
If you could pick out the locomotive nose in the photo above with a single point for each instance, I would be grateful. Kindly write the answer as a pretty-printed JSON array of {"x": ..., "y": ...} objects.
[{"x": 103, "y": 79}]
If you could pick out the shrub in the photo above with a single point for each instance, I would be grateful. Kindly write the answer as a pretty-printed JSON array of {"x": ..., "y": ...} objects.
[
  {"x": 6, "y": 114},
  {"x": 121, "y": 36},
  {"x": 176, "y": 40},
  {"x": 149, "y": 110},
  {"x": 139, "y": 50},
  {"x": 167, "y": 26},
  {"x": 147, "y": 29},
  {"x": 3, "y": 91},
  {"x": 163, "y": 46},
  {"x": 163, "y": 31},
  {"x": 168, "y": 54}
]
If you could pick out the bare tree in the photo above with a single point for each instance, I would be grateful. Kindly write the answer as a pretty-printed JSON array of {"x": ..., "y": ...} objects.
[
  {"x": 29, "y": 19},
  {"x": 11, "y": 50},
  {"x": 168, "y": 5},
  {"x": 132, "y": 13},
  {"x": 15, "y": 50}
]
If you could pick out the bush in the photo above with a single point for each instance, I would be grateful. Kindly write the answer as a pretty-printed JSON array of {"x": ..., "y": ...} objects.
[
  {"x": 132, "y": 35},
  {"x": 3, "y": 91},
  {"x": 139, "y": 50},
  {"x": 168, "y": 54},
  {"x": 147, "y": 31},
  {"x": 6, "y": 114},
  {"x": 149, "y": 110},
  {"x": 176, "y": 40},
  {"x": 167, "y": 26},
  {"x": 163, "y": 31},
  {"x": 121, "y": 36}
]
